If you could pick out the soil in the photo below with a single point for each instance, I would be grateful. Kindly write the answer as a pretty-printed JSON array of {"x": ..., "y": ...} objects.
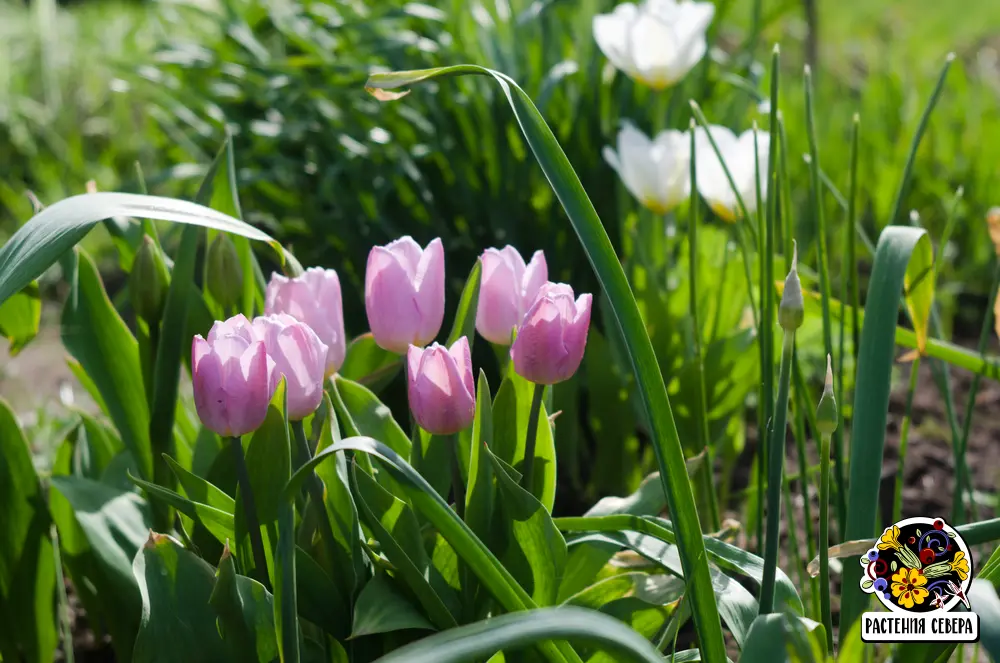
[{"x": 38, "y": 380}]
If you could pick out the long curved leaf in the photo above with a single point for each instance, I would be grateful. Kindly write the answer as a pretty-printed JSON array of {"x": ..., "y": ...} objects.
[
  {"x": 656, "y": 403},
  {"x": 497, "y": 579},
  {"x": 506, "y": 632},
  {"x": 871, "y": 399},
  {"x": 49, "y": 234}
]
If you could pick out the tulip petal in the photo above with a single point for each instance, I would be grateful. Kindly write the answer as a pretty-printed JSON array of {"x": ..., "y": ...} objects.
[
  {"x": 390, "y": 302},
  {"x": 535, "y": 276},
  {"x": 611, "y": 35},
  {"x": 254, "y": 394},
  {"x": 408, "y": 252},
  {"x": 497, "y": 311},
  {"x": 429, "y": 286},
  {"x": 462, "y": 355}
]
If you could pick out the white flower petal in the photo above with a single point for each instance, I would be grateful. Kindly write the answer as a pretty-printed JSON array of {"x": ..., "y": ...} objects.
[{"x": 611, "y": 35}]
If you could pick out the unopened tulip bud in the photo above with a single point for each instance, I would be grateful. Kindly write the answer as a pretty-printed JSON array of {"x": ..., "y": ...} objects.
[
  {"x": 552, "y": 337},
  {"x": 299, "y": 356},
  {"x": 233, "y": 377},
  {"x": 508, "y": 288},
  {"x": 314, "y": 298},
  {"x": 404, "y": 293},
  {"x": 440, "y": 387},
  {"x": 791, "y": 311},
  {"x": 225, "y": 275},
  {"x": 149, "y": 281},
  {"x": 826, "y": 411}
]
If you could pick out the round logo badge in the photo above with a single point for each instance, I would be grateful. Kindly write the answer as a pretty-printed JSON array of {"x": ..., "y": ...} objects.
[{"x": 918, "y": 565}]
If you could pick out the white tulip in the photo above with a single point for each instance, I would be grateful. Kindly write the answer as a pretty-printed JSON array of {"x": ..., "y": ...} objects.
[
  {"x": 656, "y": 43},
  {"x": 656, "y": 172},
  {"x": 738, "y": 153}
]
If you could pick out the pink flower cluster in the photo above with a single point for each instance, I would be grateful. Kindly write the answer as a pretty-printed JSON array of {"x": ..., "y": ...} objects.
[{"x": 301, "y": 337}]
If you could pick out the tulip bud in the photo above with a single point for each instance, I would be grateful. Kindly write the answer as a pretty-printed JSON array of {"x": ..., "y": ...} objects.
[
  {"x": 225, "y": 275},
  {"x": 233, "y": 378},
  {"x": 508, "y": 288},
  {"x": 550, "y": 342},
  {"x": 313, "y": 298},
  {"x": 149, "y": 282},
  {"x": 440, "y": 387},
  {"x": 404, "y": 293},
  {"x": 298, "y": 355},
  {"x": 826, "y": 411},
  {"x": 791, "y": 311}
]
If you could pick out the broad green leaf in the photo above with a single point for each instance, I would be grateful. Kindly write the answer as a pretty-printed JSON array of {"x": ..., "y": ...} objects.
[
  {"x": 200, "y": 490},
  {"x": 480, "y": 494},
  {"x": 98, "y": 339},
  {"x": 381, "y": 608},
  {"x": 779, "y": 637},
  {"x": 275, "y": 463},
  {"x": 536, "y": 555},
  {"x": 49, "y": 234},
  {"x": 918, "y": 289},
  {"x": 395, "y": 527},
  {"x": 96, "y": 449},
  {"x": 20, "y": 316},
  {"x": 27, "y": 569},
  {"x": 471, "y": 550},
  {"x": 608, "y": 269},
  {"x": 245, "y": 611},
  {"x": 511, "y": 411},
  {"x": 320, "y": 600},
  {"x": 431, "y": 455},
  {"x": 986, "y": 604},
  {"x": 368, "y": 364},
  {"x": 365, "y": 415},
  {"x": 895, "y": 247},
  {"x": 468, "y": 305},
  {"x": 509, "y": 632},
  {"x": 178, "y": 624},
  {"x": 216, "y": 521}
]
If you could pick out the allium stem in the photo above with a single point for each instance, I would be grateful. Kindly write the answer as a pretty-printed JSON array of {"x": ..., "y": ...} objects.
[
  {"x": 250, "y": 510},
  {"x": 823, "y": 546},
  {"x": 529, "y": 441}
]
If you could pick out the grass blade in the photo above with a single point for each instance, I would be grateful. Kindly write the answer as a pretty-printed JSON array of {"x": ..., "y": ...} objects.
[{"x": 656, "y": 403}]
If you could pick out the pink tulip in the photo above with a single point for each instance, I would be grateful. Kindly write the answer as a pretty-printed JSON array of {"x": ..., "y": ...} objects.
[
  {"x": 313, "y": 298},
  {"x": 298, "y": 355},
  {"x": 234, "y": 378},
  {"x": 404, "y": 293},
  {"x": 550, "y": 342},
  {"x": 440, "y": 387},
  {"x": 508, "y": 288}
]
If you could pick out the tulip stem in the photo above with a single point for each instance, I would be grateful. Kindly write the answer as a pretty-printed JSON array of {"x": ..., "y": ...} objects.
[
  {"x": 824, "y": 538},
  {"x": 249, "y": 509},
  {"x": 529, "y": 441},
  {"x": 457, "y": 486},
  {"x": 315, "y": 488},
  {"x": 776, "y": 457}
]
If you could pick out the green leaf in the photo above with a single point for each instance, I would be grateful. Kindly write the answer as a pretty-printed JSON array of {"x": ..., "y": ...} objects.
[
  {"x": 246, "y": 614},
  {"x": 918, "y": 289},
  {"x": 511, "y": 412},
  {"x": 365, "y": 415},
  {"x": 381, "y": 609},
  {"x": 200, "y": 490},
  {"x": 286, "y": 615},
  {"x": 49, "y": 234},
  {"x": 479, "y": 498},
  {"x": 368, "y": 364},
  {"x": 876, "y": 355},
  {"x": 468, "y": 305},
  {"x": 27, "y": 568},
  {"x": 395, "y": 527},
  {"x": 471, "y": 550},
  {"x": 216, "y": 521},
  {"x": 431, "y": 456},
  {"x": 539, "y": 550},
  {"x": 178, "y": 624},
  {"x": 782, "y": 637},
  {"x": 509, "y": 632},
  {"x": 320, "y": 600},
  {"x": 96, "y": 336},
  {"x": 20, "y": 316},
  {"x": 608, "y": 269}
]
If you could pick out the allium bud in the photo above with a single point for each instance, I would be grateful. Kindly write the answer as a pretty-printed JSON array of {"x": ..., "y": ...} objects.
[
  {"x": 149, "y": 281},
  {"x": 826, "y": 411},
  {"x": 792, "y": 311},
  {"x": 225, "y": 275}
]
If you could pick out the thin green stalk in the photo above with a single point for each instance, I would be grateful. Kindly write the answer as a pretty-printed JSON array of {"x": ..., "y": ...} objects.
[
  {"x": 852, "y": 256},
  {"x": 799, "y": 434},
  {"x": 984, "y": 336},
  {"x": 707, "y": 467},
  {"x": 529, "y": 441},
  {"x": 787, "y": 223},
  {"x": 776, "y": 459},
  {"x": 249, "y": 509},
  {"x": 747, "y": 274},
  {"x": 457, "y": 485},
  {"x": 824, "y": 539},
  {"x": 765, "y": 390},
  {"x": 904, "y": 436},
  {"x": 904, "y": 182},
  {"x": 793, "y": 539},
  {"x": 816, "y": 195},
  {"x": 315, "y": 487},
  {"x": 64, "y": 621},
  {"x": 716, "y": 317}
]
